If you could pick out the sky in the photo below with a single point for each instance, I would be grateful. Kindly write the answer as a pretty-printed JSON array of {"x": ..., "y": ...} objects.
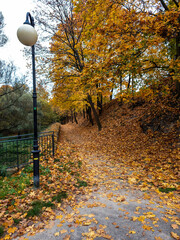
[{"x": 14, "y": 12}]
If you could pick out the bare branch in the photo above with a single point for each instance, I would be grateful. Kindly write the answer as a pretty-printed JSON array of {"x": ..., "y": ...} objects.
[{"x": 164, "y": 5}]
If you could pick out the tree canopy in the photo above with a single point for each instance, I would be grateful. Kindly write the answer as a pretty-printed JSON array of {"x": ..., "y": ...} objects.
[{"x": 111, "y": 48}]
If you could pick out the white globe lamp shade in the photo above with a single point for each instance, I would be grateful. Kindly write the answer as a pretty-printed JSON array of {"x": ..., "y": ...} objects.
[{"x": 27, "y": 35}]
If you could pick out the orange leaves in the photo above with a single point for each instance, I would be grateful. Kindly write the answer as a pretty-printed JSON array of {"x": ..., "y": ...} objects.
[
  {"x": 12, "y": 230},
  {"x": 120, "y": 199},
  {"x": 175, "y": 235}
]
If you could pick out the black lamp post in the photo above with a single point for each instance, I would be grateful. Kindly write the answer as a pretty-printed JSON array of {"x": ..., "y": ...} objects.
[{"x": 27, "y": 35}]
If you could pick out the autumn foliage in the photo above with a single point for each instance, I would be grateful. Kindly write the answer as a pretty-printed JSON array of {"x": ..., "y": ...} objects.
[
  {"x": 114, "y": 48},
  {"x": 115, "y": 62}
]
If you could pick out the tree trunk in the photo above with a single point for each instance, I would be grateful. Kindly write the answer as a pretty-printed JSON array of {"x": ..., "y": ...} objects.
[
  {"x": 99, "y": 100},
  {"x": 84, "y": 113},
  {"x": 75, "y": 119},
  {"x": 89, "y": 116},
  {"x": 178, "y": 56},
  {"x": 129, "y": 82},
  {"x": 132, "y": 85},
  {"x": 71, "y": 116},
  {"x": 94, "y": 112},
  {"x": 120, "y": 83},
  {"x": 111, "y": 95},
  {"x": 99, "y": 103}
]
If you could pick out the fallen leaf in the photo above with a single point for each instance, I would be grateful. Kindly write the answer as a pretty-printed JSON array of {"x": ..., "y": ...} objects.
[
  {"x": 174, "y": 235},
  {"x": 164, "y": 219},
  {"x": 174, "y": 226},
  {"x": 63, "y": 231},
  {"x": 56, "y": 234},
  {"x": 120, "y": 199},
  {"x": 12, "y": 230},
  {"x": 145, "y": 227}
]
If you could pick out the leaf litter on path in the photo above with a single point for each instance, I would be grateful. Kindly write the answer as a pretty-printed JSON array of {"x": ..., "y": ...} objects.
[{"x": 117, "y": 191}]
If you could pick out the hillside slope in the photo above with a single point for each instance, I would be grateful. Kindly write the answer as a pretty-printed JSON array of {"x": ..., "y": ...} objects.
[{"x": 142, "y": 136}]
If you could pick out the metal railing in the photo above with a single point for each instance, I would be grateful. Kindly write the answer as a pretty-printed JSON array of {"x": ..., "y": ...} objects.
[{"x": 15, "y": 151}]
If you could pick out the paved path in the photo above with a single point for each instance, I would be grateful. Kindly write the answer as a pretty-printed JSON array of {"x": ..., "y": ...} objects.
[{"x": 112, "y": 209}]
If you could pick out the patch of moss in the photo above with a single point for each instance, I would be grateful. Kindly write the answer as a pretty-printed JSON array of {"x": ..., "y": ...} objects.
[
  {"x": 61, "y": 195},
  {"x": 167, "y": 190},
  {"x": 1, "y": 230},
  {"x": 37, "y": 206}
]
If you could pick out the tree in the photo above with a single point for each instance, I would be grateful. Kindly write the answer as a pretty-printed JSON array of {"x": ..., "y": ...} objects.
[
  {"x": 169, "y": 7},
  {"x": 68, "y": 49},
  {"x": 129, "y": 41},
  {"x": 15, "y": 109},
  {"x": 3, "y": 37}
]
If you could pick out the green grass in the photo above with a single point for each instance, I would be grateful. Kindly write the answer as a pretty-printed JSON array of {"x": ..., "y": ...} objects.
[
  {"x": 14, "y": 184},
  {"x": 37, "y": 206},
  {"x": 44, "y": 170},
  {"x": 16, "y": 221},
  {"x": 79, "y": 164},
  {"x": 167, "y": 190},
  {"x": 56, "y": 160},
  {"x": 1, "y": 231},
  {"x": 60, "y": 196},
  {"x": 81, "y": 183}
]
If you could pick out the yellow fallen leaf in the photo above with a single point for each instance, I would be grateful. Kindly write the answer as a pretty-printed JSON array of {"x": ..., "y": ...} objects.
[
  {"x": 59, "y": 225},
  {"x": 63, "y": 231},
  {"x": 67, "y": 237},
  {"x": 7, "y": 237},
  {"x": 174, "y": 226},
  {"x": 147, "y": 227},
  {"x": 141, "y": 218},
  {"x": 164, "y": 219},
  {"x": 72, "y": 230},
  {"x": 56, "y": 234},
  {"x": 134, "y": 218},
  {"x": 120, "y": 199},
  {"x": 114, "y": 223},
  {"x": 11, "y": 230},
  {"x": 87, "y": 223},
  {"x": 132, "y": 232},
  {"x": 59, "y": 217},
  {"x": 158, "y": 238},
  {"x": 174, "y": 235},
  {"x": 2, "y": 213},
  {"x": 102, "y": 226}
]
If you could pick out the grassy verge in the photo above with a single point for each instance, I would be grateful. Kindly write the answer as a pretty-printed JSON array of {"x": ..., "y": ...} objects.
[{"x": 20, "y": 204}]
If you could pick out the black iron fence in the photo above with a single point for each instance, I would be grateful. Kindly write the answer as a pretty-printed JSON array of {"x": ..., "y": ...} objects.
[{"x": 16, "y": 151}]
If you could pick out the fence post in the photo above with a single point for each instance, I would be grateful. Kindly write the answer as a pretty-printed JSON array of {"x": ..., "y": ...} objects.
[
  {"x": 53, "y": 143},
  {"x": 17, "y": 155}
]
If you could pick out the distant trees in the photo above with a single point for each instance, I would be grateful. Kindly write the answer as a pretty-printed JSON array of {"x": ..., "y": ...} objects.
[
  {"x": 3, "y": 37},
  {"x": 16, "y": 106},
  {"x": 15, "y": 109}
]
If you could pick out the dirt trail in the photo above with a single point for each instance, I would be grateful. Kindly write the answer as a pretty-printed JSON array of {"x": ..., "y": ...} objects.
[{"x": 110, "y": 208}]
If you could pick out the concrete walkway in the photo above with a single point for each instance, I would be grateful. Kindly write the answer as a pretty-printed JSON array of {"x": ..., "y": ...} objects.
[{"x": 113, "y": 210}]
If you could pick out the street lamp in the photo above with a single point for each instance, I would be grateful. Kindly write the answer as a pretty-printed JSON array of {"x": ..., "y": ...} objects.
[{"x": 27, "y": 35}]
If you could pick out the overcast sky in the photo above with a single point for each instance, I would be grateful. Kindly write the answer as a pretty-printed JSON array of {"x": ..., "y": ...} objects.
[{"x": 14, "y": 12}]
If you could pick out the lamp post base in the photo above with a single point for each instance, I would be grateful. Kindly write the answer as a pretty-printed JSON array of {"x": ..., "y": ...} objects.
[{"x": 36, "y": 167}]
